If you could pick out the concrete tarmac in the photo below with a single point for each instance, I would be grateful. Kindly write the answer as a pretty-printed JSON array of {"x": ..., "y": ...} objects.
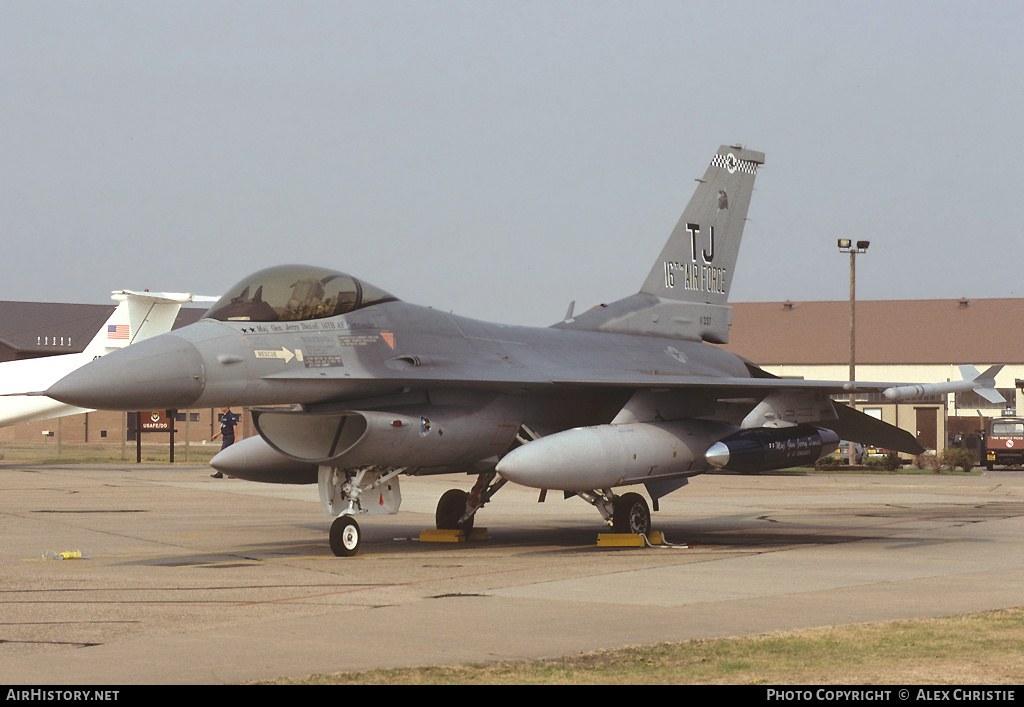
[{"x": 194, "y": 580}]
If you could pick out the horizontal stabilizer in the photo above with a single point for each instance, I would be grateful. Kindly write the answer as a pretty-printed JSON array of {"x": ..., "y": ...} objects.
[
  {"x": 854, "y": 426},
  {"x": 138, "y": 316}
]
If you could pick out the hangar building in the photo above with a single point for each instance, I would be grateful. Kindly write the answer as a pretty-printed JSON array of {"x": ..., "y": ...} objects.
[{"x": 913, "y": 341}]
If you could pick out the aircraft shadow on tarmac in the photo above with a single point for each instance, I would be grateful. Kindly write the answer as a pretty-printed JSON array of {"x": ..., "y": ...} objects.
[{"x": 767, "y": 532}]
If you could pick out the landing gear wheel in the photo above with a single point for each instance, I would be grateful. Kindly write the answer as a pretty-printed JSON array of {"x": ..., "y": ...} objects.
[
  {"x": 450, "y": 508},
  {"x": 345, "y": 536},
  {"x": 631, "y": 515}
]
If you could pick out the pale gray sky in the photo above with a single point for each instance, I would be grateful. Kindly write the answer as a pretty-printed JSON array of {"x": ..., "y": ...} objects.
[{"x": 501, "y": 158}]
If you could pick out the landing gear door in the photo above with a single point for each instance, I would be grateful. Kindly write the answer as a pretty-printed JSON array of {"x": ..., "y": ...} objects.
[{"x": 358, "y": 491}]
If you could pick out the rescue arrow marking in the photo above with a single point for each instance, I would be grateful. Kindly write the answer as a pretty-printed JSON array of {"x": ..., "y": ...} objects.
[{"x": 282, "y": 353}]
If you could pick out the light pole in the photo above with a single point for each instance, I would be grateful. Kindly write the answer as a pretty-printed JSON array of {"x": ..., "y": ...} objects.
[{"x": 848, "y": 246}]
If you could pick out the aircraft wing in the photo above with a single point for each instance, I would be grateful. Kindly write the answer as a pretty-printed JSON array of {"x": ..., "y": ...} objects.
[
  {"x": 759, "y": 400},
  {"x": 790, "y": 401},
  {"x": 732, "y": 385}
]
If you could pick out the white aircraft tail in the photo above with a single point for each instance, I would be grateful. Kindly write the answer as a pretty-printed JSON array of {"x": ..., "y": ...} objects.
[{"x": 138, "y": 316}]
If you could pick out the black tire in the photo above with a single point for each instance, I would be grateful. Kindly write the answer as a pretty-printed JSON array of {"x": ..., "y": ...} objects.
[
  {"x": 631, "y": 515},
  {"x": 450, "y": 508},
  {"x": 346, "y": 537}
]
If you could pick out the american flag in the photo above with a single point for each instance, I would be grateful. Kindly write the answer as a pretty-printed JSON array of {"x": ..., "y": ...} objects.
[{"x": 117, "y": 331}]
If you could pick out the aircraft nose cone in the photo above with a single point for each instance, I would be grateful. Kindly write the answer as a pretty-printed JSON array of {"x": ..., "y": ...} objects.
[{"x": 165, "y": 372}]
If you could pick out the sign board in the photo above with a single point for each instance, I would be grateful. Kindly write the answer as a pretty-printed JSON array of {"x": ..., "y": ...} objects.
[{"x": 155, "y": 421}]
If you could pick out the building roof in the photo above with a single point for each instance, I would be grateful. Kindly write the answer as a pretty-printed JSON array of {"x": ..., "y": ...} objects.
[
  {"x": 50, "y": 328},
  {"x": 889, "y": 332}
]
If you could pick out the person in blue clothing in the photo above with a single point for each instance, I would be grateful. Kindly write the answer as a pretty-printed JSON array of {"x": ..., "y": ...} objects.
[{"x": 228, "y": 421}]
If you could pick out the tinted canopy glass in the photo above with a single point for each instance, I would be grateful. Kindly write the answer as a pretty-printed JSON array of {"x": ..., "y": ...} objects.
[{"x": 295, "y": 292}]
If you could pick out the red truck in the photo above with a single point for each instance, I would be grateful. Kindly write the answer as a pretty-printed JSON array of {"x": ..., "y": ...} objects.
[{"x": 1004, "y": 442}]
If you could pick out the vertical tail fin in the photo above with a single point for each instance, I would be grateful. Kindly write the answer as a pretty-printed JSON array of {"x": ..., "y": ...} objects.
[
  {"x": 697, "y": 262},
  {"x": 687, "y": 291},
  {"x": 138, "y": 316}
]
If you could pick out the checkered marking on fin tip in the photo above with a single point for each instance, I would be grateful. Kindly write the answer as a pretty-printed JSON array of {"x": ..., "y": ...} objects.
[{"x": 731, "y": 163}]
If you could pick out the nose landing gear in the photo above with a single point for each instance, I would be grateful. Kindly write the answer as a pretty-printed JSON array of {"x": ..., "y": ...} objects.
[{"x": 345, "y": 537}]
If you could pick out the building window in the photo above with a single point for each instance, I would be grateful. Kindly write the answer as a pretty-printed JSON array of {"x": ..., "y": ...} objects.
[{"x": 969, "y": 400}]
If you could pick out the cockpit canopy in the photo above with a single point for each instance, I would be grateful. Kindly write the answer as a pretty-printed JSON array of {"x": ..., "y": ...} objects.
[{"x": 295, "y": 292}]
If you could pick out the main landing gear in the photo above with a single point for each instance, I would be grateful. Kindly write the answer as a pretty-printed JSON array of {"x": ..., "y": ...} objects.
[
  {"x": 376, "y": 491},
  {"x": 456, "y": 509},
  {"x": 628, "y": 513},
  {"x": 631, "y": 515}
]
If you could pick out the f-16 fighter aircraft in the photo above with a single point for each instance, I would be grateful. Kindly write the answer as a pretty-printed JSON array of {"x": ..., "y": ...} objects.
[
  {"x": 626, "y": 394},
  {"x": 138, "y": 316}
]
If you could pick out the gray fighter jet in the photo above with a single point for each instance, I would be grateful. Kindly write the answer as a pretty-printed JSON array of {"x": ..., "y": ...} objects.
[{"x": 372, "y": 388}]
